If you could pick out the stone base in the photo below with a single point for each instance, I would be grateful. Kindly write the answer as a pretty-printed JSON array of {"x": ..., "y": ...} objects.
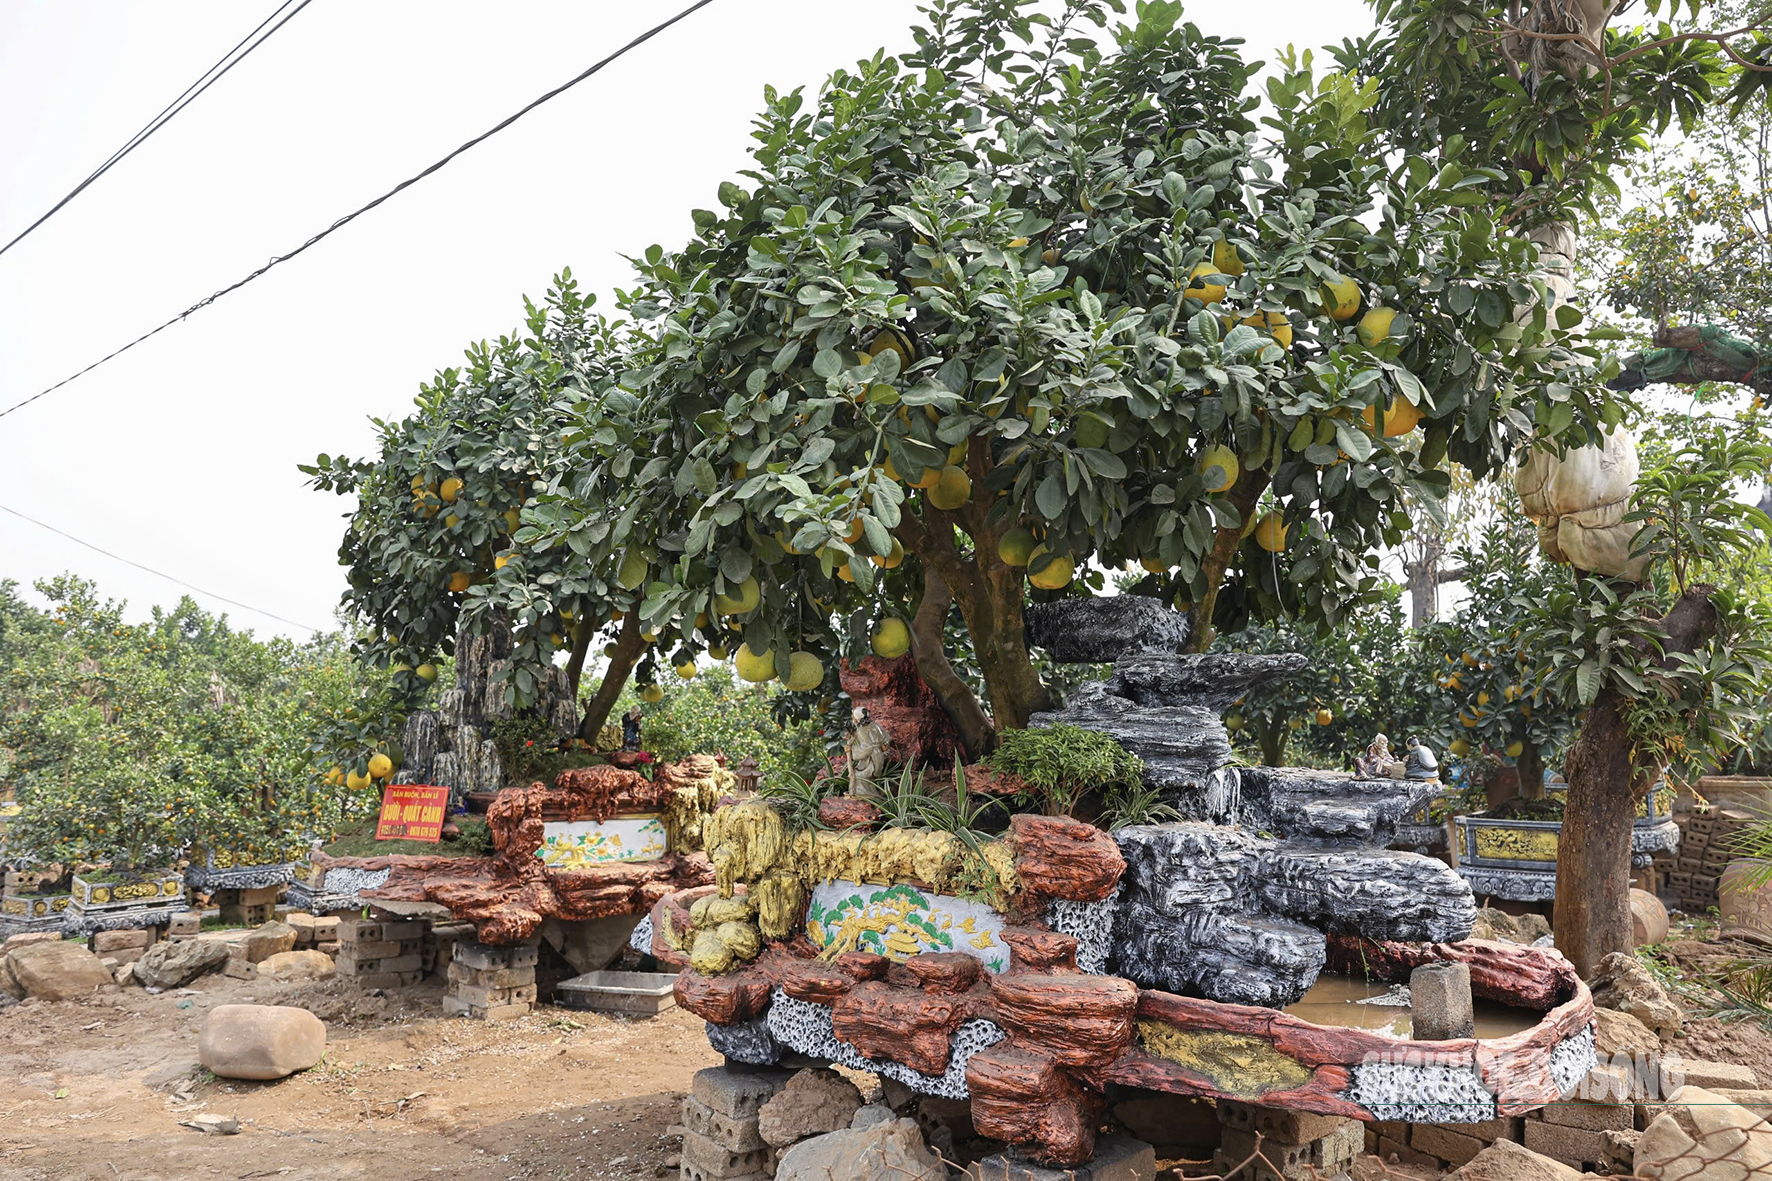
[
  {"x": 490, "y": 983},
  {"x": 242, "y": 877},
  {"x": 80, "y": 925},
  {"x": 1117, "y": 1158}
]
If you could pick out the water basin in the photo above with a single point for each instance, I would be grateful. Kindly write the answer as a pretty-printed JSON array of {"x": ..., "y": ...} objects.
[{"x": 1332, "y": 1000}]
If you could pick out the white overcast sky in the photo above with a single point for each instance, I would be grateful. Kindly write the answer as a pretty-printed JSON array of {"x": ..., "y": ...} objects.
[{"x": 181, "y": 454}]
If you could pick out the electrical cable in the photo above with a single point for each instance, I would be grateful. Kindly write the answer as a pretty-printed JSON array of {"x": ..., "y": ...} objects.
[
  {"x": 648, "y": 35},
  {"x": 159, "y": 573},
  {"x": 213, "y": 75}
]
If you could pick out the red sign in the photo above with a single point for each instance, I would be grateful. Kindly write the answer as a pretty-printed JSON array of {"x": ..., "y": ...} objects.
[{"x": 411, "y": 812}]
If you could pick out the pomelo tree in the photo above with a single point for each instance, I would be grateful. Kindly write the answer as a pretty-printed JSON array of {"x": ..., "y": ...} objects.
[
  {"x": 1041, "y": 297},
  {"x": 429, "y": 543}
]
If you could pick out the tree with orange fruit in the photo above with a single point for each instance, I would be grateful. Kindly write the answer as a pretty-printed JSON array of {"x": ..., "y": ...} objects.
[{"x": 990, "y": 318}]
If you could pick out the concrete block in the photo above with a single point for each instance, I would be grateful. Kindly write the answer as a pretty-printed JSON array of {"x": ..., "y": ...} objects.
[
  {"x": 1117, "y": 1158},
  {"x": 740, "y": 1135},
  {"x": 387, "y": 979},
  {"x": 241, "y": 968},
  {"x": 1446, "y": 1141},
  {"x": 716, "y": 1161},
  {"x": 106, "y": 942},
  {"x": 1694, "y": 1072},
  {"x": 404, "y": 929},
  {"x": 349, "y": 965},
  {"x": 460, "y": 973},
  {"x": 737, "y": 1093},
  {"x": 1440, "y": 1002},
  {"x": 1277, "y": 1123},
  {"x": 188, "y": 923},
  {"x": 1398, "y": 1152},
  {"x": 1592, "y": 1117},
  {"x": 486, "y": 955},
  {"x": 1277, "y": 1161},
  {"x": 359, "y": 931},
  {"x": 487, "y": 998},
  {"x": 1573, "y": 1146}
]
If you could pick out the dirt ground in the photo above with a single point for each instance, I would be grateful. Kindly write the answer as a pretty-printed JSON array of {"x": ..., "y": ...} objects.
[{"x": 97, "y": 1091}]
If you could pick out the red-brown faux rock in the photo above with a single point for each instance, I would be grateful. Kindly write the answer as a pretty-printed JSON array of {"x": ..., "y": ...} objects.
[
  {"x": 841, "y": 812},
  {"x": 944, "y": 971},
  {"x": 895, "y": 696},
  {"x": 1027, "y": 1100},
  {"x": 1040, "y": 950},
  {"x": 1074, "y": 1019},
  {"x": 1503, "y": 972},
  {"x": 1057, "y": 857},
  {"x": 864, "y": 965},
  {"x": 908, "y": 1026},
  {"x": 724, "y": 1000},
  {"x": 814, "y": 980}
]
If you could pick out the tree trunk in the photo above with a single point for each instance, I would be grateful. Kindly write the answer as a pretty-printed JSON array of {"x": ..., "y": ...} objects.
[
  {"x": 1245, "y": 494},
  {"x": 1272, "y": 736},
  {"x": 628, "y": 647},
  {"x": 1606, "y": 779},
  {"x": 930, "y": 654},
  {"x": 1530, "y": 765},
  {"x": 575, "y": 663}
]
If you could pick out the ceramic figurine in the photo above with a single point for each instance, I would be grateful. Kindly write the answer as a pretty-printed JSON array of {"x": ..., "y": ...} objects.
[
  {"x": 630, "y": 730},
  {"x": 865, "y": 743},
  {"x": 1375, "y": 763},
  {"x": 1420, "y": 762}
]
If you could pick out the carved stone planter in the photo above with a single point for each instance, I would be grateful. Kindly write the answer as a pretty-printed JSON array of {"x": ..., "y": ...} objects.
[
  {"x": 1517, "y": 859},
  {"x": 221, "y": 869},
  {"x": 34, "y": 912}
]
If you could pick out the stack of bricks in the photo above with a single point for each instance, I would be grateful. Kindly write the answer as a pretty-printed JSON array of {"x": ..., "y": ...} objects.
[
  {"x": 1706, "y": 848},
  {"x": 490, "y": 983},
  {"x": 439, "y": 946},
  {"x": 315, "y": 934},
  {"x": 381, "y": 954},
  {"x": 1432, "y": 1144},
  {"x": 247, "y": 908},
  {"x": 117, "y": 948},
  {"x": 721, "y": 1141},
  {"x": 184, "y": 927},
  {"x": 1284, "y": 1145}
]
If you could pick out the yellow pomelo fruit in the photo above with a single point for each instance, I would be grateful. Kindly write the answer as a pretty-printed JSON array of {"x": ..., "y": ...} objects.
[
  {"x": 892, "y": 638},
  {"x": 1055, "y": 575},
  {"x": 1270, "y": 533},
  {"x": 748, "y": 596},
  {"x": 460, "y": 581},
  {"x": 957, "y": 453},
  {"x": 651, "y": 637},
  {"x": 1015, "y": 547},
  {"x": 652, "y": 694},
  {"x": 1469, "y": 658},
  {"x": 610, "y": 650},
  {"x": 513, "y": 518},
  {"x": 686, "y": 670},
  {"x": 498, "y": 563},
  {"x": 893, "y": 339},
  {"x": 952, "y": 489},
  {"x": 1515, "y": 749},
  {"x": 1198, "y": 288},
  {"x": 930, "y": 478},
  {"x": 556, "y": 639},
  {"x": 1325, "y": 716},
  {"x": 1483, "y": 698},
  {"x": 1153, "y": 565},
  {"x": 380, "y": 766},
  {"x": 1343, "y": 297},
  {"x": 1276, "y": 324},
  {"x": 357, "y": 782},
  {"x": 891, "y": 561},
  {"x": 1225, "y": 259},
  {"x": 755, "y": 668},
  {"x": 633, "y": 570},
  {"x": 717, "y": 652},
  {"x": 1375, "y": 325},
  {"x": 1225, "y": 461},
  {"x": 451, "y": 520},
  {"x": 1399, "y": 420},
  {"x": 856, "y": 530},
  {"x": 450, "y": 490},
  {"x": 1459, "y": 747},
  {"x": 891, "y": 473},
  {"x": 844, "y": 572},
  {"x": 805, "y": 673},
  {"x": 425, "y": 672}
]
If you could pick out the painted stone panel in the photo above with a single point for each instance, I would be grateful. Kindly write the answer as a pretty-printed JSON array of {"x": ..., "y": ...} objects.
[
  {"x": 901, "y": 921},
  {"x": 579, "y": 844}
]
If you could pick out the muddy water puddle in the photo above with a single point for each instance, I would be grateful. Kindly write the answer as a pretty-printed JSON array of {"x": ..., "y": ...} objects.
[{"x": 1333, "y": 1000}]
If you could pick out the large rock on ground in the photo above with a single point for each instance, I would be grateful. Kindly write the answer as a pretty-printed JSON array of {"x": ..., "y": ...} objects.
[
  {"x": 297, "y": 965},
  {"x": 174, "y": 965},
  {"x": 1619, "y": 1033},
  {"x": 1506, "y": 1161},
  {"x": 814, "y": 1102},
  {"x": 890, "y": 1151},
  {"x": 273, "y": 938},
  {"x": 1726, "y": 1142},
  {"x": 1620, "y": 982},
  {"x": 260, "y": 1041},
  {"x": 1102, "y": 630},
  {"x": 57, "y": 971}
]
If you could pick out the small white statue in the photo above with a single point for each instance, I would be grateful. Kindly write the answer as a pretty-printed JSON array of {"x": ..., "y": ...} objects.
[
  {"x": 865, "y": 744},
  {"x": 1376, "y": 762}
]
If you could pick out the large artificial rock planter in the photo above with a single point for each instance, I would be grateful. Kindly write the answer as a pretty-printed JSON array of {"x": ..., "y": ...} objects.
[{"x": 1516, "y": 859}]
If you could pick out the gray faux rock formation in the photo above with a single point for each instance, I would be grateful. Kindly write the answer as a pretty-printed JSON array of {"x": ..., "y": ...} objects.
[
  {"x": 749, "y": 1042},
  {"x": 1326, "y": 807},
  {"x": 1188, "y": 864},
  {"x": 1378, "y": 893},
  {"x": 1245, "y": 959},
  {"x": 1166, "y": 710},
  {"x": 1100, "y": 631}
]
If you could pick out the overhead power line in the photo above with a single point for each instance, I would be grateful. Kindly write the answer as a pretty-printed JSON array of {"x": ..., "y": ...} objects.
[
  {"x": 158, "y": 573},
  {"x": 208, "y": 78},
  {"x": 648, "y": 35}
]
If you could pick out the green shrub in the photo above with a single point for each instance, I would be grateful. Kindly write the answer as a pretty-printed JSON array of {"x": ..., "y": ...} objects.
[
  {"x": 714, "y": 713},
  {"x": 1063, "y": 763}
]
